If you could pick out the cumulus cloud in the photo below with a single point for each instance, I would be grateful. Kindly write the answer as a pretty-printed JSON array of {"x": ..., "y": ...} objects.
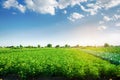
[
  {"x": 93, "y": 8},
  {"x": 112, "y": 3},
  {"x": 113, "y": 18},
  {"x": 106, "y": 18},
  {"x": 65, "y": 3},
  {"x": 107, "y": 4},
  {"x": 116, "y": 17},
  {"x": 13, "y": 3},
  {"x": 101, "y": 28},
  {"x": 49, "y": 6},
  {"x": 75, "y": 16},
  {"x": 40, "y": 6}
]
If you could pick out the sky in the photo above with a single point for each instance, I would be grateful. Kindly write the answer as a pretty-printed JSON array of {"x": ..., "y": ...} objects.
[{"x": 83, "y": 22}]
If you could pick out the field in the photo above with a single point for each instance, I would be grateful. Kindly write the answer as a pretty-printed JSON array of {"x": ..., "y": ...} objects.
[
  {"x": 69, "y": 63},
  {"x": 111, "y": 54}
]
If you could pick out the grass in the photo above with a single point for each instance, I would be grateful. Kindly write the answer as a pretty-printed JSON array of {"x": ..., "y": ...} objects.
[{"x": 52, "y": 62}]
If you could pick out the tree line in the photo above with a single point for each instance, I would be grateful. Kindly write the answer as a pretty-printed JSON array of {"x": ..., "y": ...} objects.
[
  {"x": 57, "y": 46},
  {"x": 38, "y": 46}
]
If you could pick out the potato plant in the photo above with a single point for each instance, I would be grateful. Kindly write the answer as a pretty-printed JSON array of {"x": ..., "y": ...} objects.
[{"x": 51, "y": 62}]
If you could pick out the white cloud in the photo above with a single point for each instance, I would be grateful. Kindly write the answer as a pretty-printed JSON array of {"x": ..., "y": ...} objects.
[
  {"x": 65, "y": 12},
  {"x": 13, "y": 3},
  {"x": 49, "y": 6},
  {"x": 113, "y": 18},
  {"x": 21, "y": 8},
  {"x": 101, "y": 28},
  {"x": 40, "y": 6},
  {"x": 65, "y": 3},
  {"x": 112, "y": 3},
  {"x": 90, "y": 5},
  {"x": 106, "y": 18},
  {"x": 75, "y": 16},
  {"x": 116, "y": 17},
  {"x": 93, "y": 8},
  {"x": 107, "y": 4},
  {"x": 117, "y": 24}
]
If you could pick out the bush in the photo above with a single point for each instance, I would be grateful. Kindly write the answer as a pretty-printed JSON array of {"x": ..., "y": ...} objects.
[
  {"x": 49, "y": 45},
  {"x": 67, "y": 46},
  {"x": 106, "y": 45},
  {"x": 21, "y": 46},
  {"x": 38, "y": 46},
  {"x": 57, "y": 46}
]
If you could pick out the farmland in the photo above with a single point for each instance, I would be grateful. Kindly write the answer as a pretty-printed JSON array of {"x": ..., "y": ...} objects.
[
  {"x": 71, "y": 63},
  {"x": 111, "y": 54}
]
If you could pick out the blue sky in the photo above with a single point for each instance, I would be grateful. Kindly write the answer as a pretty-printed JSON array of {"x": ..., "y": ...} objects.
[{"x": 83, "y": 22}]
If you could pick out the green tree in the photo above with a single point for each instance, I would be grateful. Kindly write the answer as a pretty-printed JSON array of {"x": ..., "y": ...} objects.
[
  {"x": 29, "y": 46},
  {"x": 77, "y": 46},
  {"x": 106, "y": 45},
  {"x": 21, "y": 46},
  {"x": 49, "y": 45},
  {"x": 10, "y": 47},
  {"x": 67, "y": 46},
  {"x": 38, "y": 46},
  {"x": 57, "y": 46}
]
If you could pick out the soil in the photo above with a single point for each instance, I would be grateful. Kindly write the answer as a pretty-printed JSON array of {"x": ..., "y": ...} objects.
[{"x": 15, "y": 77}]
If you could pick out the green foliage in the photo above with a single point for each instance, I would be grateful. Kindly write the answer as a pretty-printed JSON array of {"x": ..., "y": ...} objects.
[
  {"x": 21, "y": 46},
  {"x": 77, "y": 46},
  {"x": 66, "y": 62},
  {"x": 49, "y": 45},
  {"x": 30, "y": 46},
  {"x": 67, "y": 46},
  {"x": 57, "y": 46},
  {"x": 106, "y": 45},
  {"x": 111, "y": 54},
  {"x": 38, "y": 46}
]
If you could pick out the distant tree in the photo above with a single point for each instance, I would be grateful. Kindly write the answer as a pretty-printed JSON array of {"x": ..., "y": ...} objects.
[
  {"x": 21, "y": 46},
  {"x": 67, "y": 46},
  {"x": 17, "y": 47},
  {"x": 77, "y": 46},
  {"x": 49, "y": 45},
  {"x": 29, "y": 46},
  {"x": 12, "y": 47},
  {"x": 57, "y": 46},
  {"x": 106, "y": 45},
  {"x": 38, "y": 46}
]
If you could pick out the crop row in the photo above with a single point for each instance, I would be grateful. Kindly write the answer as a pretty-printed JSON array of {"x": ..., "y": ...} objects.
[
  {"x": 56, "y": 62},
  {"x": 112, "y": 57}
]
